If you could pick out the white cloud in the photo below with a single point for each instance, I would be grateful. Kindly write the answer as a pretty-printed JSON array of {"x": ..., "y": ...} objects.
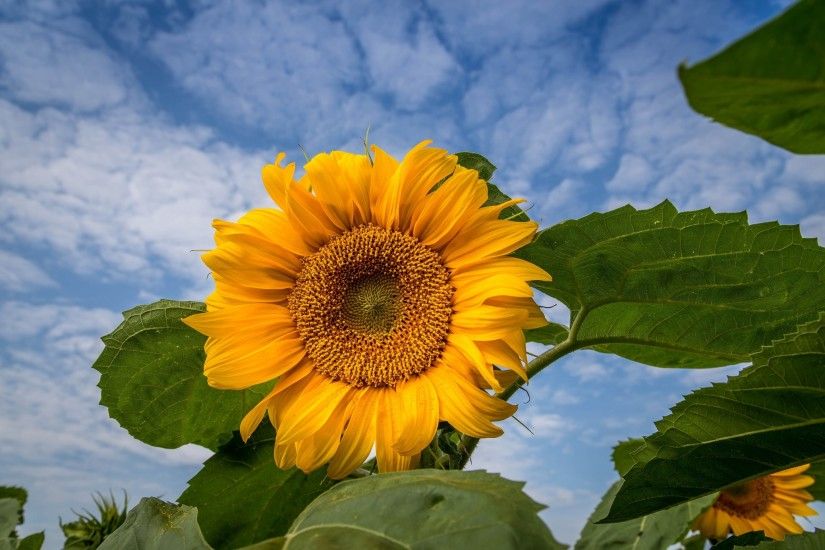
[
  {"x": 17, "y": 274},
  {"x": 264, "y": 66},
  {"x": 585, "y": 371},
  {"x": 409, "y": 65},
  {"x": 564, "y": 397},
  {"x": 120, "y": 193},
  {"x": 549, "y": 426},
  {"x": 59, "y": 62},
  {"x": 634, "y": 172}
]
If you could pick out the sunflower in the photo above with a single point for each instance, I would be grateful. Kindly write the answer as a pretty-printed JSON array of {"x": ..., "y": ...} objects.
[
  {"x": 381, "y": 296},
  {"x": 766, "y": 504}
]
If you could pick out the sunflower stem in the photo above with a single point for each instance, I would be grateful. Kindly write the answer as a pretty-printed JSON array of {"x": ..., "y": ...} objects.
[{"x": 468, "y": 443}]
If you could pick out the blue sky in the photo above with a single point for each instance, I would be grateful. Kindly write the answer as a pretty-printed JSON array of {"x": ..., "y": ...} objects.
[{"x": 128, "y": 126}]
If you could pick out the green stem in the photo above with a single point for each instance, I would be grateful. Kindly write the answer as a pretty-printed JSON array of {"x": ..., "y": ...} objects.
[{"x": 534, "y": 367}]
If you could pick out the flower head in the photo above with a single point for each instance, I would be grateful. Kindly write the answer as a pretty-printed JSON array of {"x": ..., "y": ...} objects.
[
  {"x": 766, "y": 504},
  {"x": 380, "y": 295}
]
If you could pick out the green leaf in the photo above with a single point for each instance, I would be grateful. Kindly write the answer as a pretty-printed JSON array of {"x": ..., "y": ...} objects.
[
  {"x": 10, "y": 510},
  {"x": 671, "y": 289},
  {"x": 770, "y": 83},
  {"x": 151, "y": 380},
  {"x": 423, "y": 509},
  {"x": 652, "y": 532},
  {"x": 550, "y": 334},
  {"x": 32, "y": 542},
  {"x": 242, "y": 497},
  {"x": 17, "y": 493},
  {"x": 157, "y": 525},
  {"x": 477, "y": 162},
  {"x": 485, "y": 170},
  {"x": 817, "y": 471},
  {"x": 805, "y": 541},
  {"x": 768, "y": 418},
  {"x": 623, "y": 455},
  {"x": 748, "y": 539}
]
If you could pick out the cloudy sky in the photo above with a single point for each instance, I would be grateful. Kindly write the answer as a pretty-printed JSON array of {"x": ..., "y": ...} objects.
[{"x": 127, "y": 126}]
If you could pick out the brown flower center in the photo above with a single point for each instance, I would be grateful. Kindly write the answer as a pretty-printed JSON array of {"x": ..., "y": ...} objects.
[
  {"x": 373, "y": 307},
  {"x": 747, "y": 500}
]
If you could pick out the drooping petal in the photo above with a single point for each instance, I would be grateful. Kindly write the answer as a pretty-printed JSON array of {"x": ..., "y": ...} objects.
[
  {"x": 388, "y": 430},
  {"x": 358, "y": 437},
  {"x": 420, "y": 406},
  {"x": 318, "y": 449},
  {"x": 467, "y": 407},
  {"x": 253, "y": 418},
  {"x": 311, "y": 410}
]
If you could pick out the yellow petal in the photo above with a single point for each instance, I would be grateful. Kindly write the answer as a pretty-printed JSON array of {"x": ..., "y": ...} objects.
[
  {"x": 487, "y": 322},
  {"x": 358, "y": 438},
  {"x": 318, "y": 449},
  {"x": 311, "y": 410},
  {"x": 473, "y": 355},
  {"x": 790, "y": 472},
  {"x": 466, "y": 407},
  {"x": 387, "y": 428},
  {"x": 231, "y": 370},
  {"x": 384, "y": 166},
  {"x": 784, "y": 519},
  {"x": 302, "y": 370},
  {"x": 500, "y": 354},
  {"x": 444, "y": 212},
  {"x": 795, "y": 482},
  {"x": 420, "y": 406},
  {"x": 471, "y": 294},
  {"x": 419, "y": 171},
  {"x": 253, "y": 418},
  {"x": 515, "y": 267},
  {"x": 270, "y": 224},
  {"x": 308, "y": 217},
  {"x": 277, "y": 179},
  {"x": 487, "y": 240},
  {"x": 285, "y": 456},
  {"x": 253, "y": 319}
]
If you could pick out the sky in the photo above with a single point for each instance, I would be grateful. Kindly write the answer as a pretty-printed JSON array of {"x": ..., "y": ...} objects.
[{"x": 126, "y": 127}]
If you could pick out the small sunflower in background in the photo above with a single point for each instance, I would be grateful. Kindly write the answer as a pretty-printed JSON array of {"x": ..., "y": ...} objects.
[
  {"x": 380, "y": 295},
  {"x": 765, "y": 504}
]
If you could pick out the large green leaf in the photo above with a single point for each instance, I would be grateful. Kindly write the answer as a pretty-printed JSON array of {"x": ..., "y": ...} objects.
[
  {"x": 423, "y": 509},
  {"x": 770, "y": 83},
  {"x": 32, "y": 542},
  {"x": 157, "y": 525},
  {"x": 242, "y": 497},
  {"x": 151, "y": 380},
  {"x": 750, "y": 539},
  {"x": 12, "y": 501},
  {"x": 652, "y": 532},
  {"x": 9, "y": 513},
  {"x": 622, "y": 455},
  {"x": 755, "y": 541},
  {"x": 671, "y": 289},
  {"x": 769, "y": 417},
  {"x": 17, "y": 493},
  {"x": 551, "y": 334}
]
